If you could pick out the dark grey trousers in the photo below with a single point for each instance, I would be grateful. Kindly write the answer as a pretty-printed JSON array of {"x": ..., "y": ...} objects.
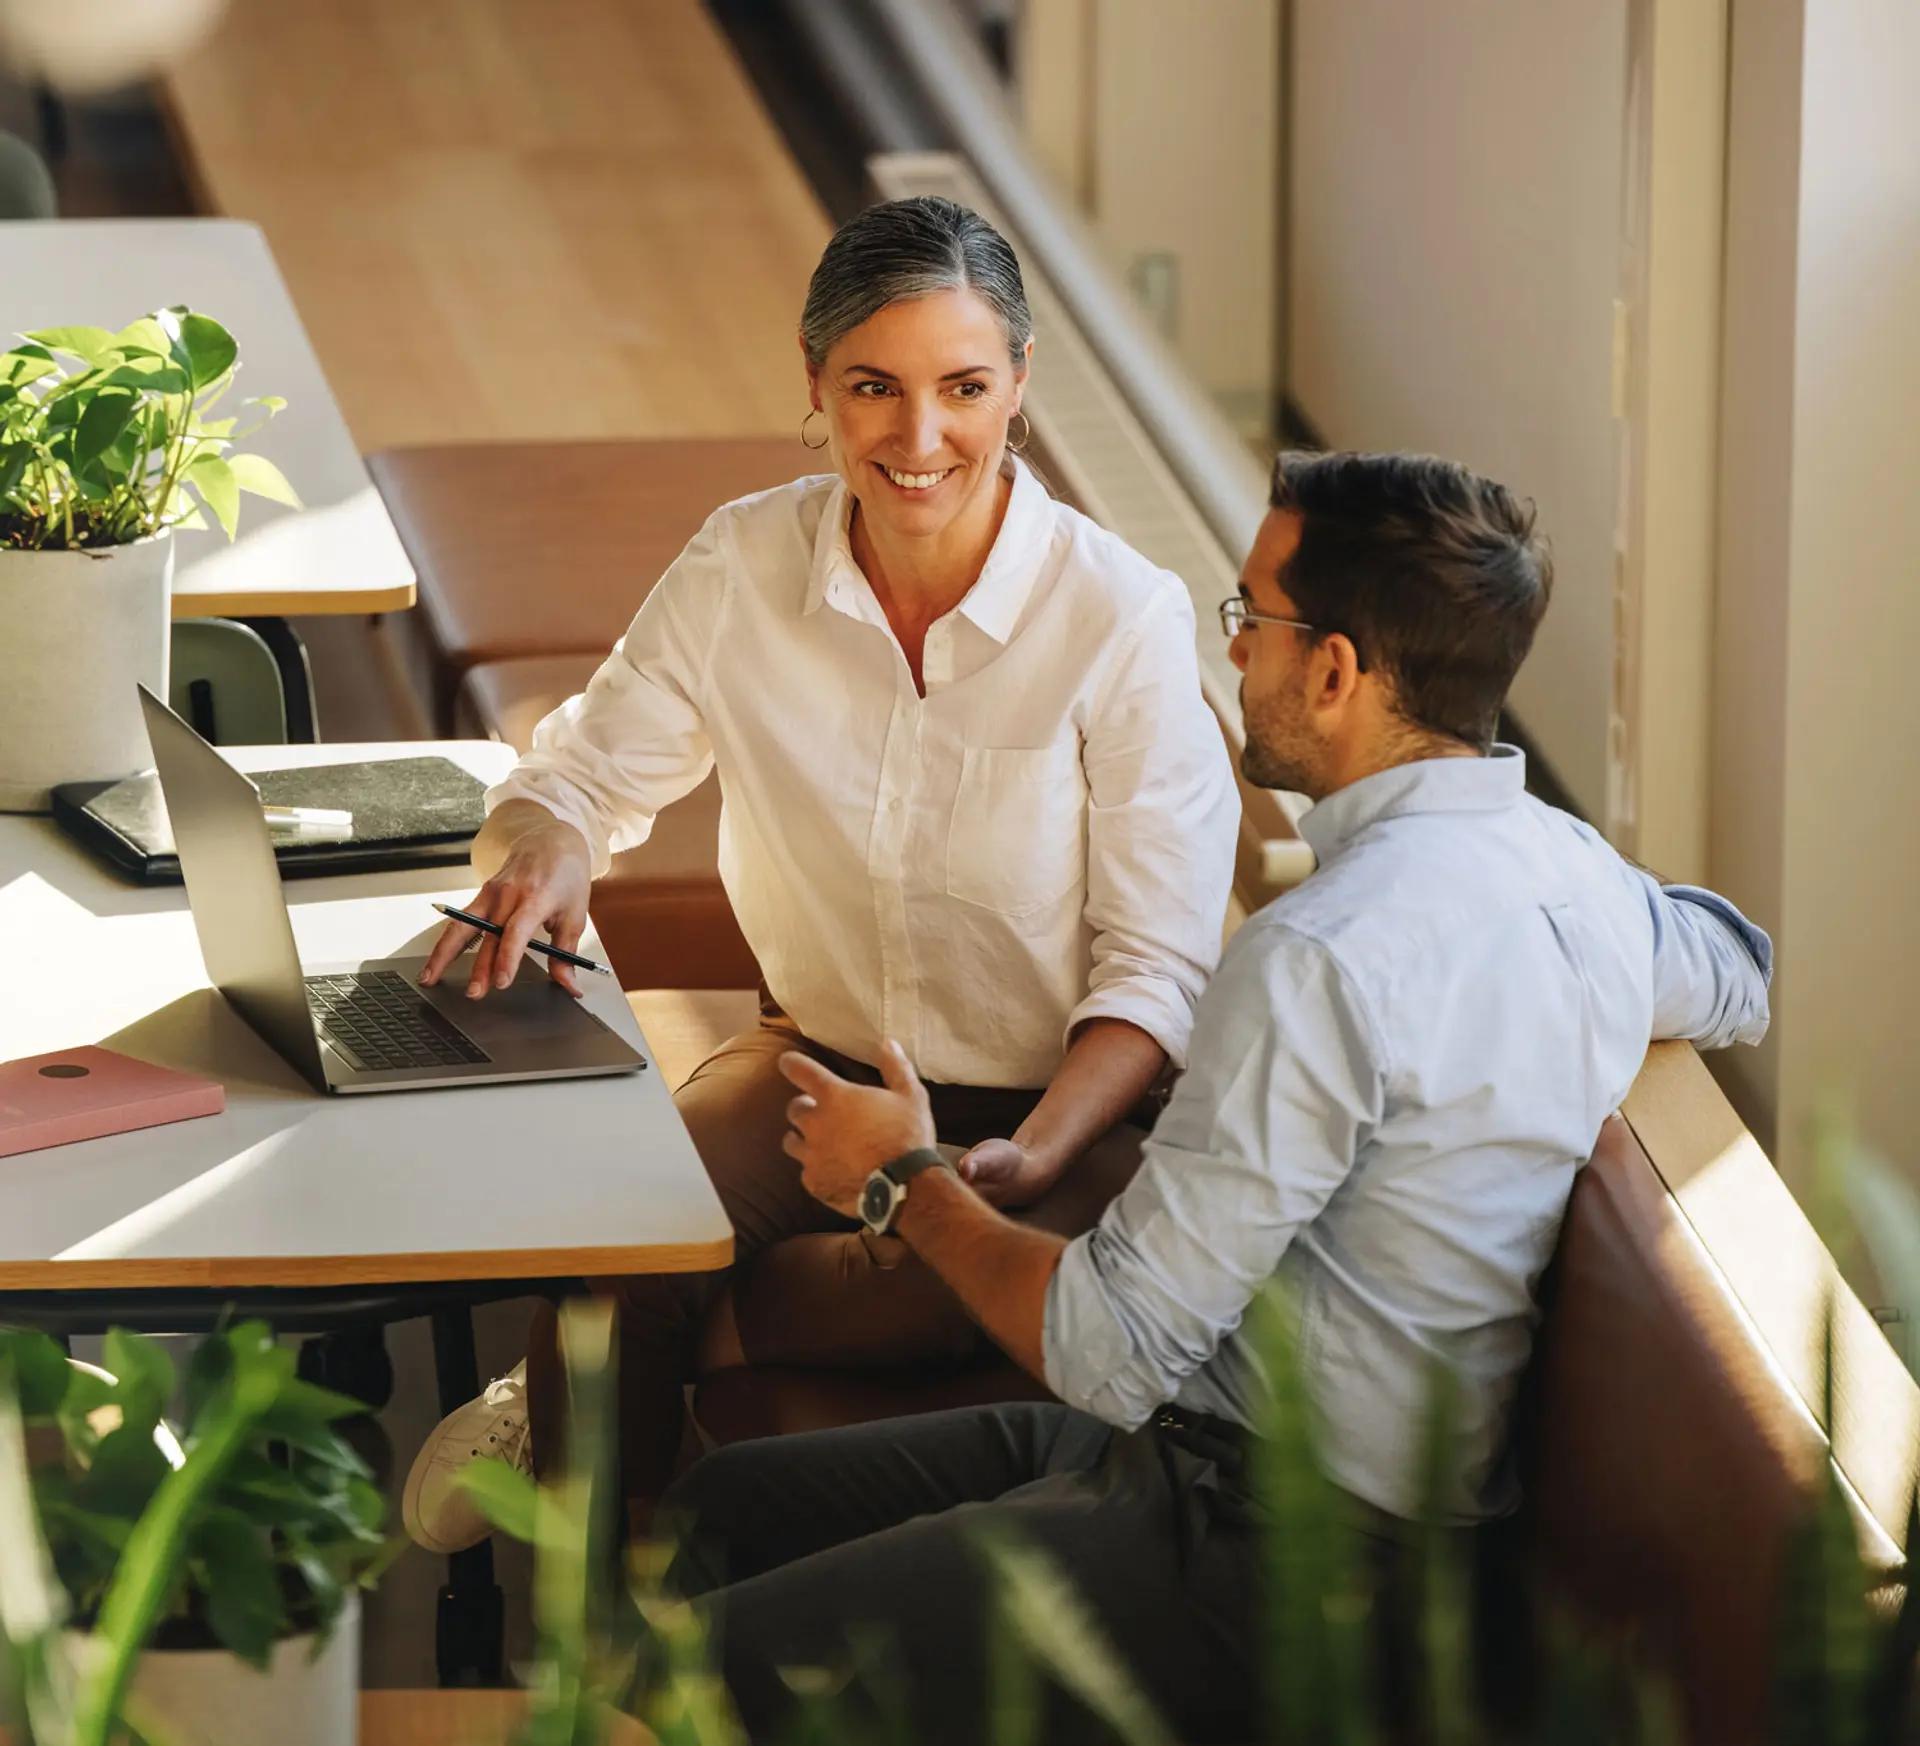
[{"x": 805, "y": 1545}]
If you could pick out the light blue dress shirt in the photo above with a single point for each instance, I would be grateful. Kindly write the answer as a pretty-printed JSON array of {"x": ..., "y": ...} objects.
[{"x": 1394, "y": 1076}]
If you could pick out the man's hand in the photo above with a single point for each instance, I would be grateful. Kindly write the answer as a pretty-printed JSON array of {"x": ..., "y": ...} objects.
[
  {"x": 1006, "y": 1173},
  {"x": 842, "y": 1133}
]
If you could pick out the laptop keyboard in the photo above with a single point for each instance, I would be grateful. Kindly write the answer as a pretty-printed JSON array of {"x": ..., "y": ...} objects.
[{"x": 378, "y": 1022}]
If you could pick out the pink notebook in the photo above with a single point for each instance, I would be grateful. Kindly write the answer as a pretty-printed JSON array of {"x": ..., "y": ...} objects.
[{"x": 80, "y": 1094}]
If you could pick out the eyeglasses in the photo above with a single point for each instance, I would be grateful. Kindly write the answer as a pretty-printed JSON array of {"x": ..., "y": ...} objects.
[{"x": 1236, "y": 614}]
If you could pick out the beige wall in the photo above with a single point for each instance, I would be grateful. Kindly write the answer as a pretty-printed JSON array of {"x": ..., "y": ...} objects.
[
  {"x": 1453, "y": 256},
  {"x": 1817, "y": 743},
  {"x": 1163, "y": 122}
]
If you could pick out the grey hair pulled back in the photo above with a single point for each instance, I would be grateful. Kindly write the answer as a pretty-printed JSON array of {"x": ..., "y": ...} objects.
[{"x": 911, "y": 248}]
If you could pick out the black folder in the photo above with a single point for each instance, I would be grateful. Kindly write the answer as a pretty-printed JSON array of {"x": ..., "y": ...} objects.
[{"x": 407, "y": 812}]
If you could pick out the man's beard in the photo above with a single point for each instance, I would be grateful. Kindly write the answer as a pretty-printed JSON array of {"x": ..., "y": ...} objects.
[{"x": 1278, "y": 753}]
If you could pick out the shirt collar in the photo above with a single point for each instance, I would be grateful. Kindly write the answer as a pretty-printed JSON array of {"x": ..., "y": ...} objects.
[
  {"x": 1488, "y": 784},
  {"x": 998, "y": 596}
]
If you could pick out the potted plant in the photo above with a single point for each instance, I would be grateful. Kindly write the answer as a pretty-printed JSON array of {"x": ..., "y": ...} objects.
[
  {"x": 105, "y": 449},
  {"x": 209, "y": 1588}
]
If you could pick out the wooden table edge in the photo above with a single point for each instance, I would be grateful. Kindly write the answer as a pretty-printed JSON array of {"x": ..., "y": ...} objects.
[
  {"x": 243, "y": 1273},
  {"x": 291, "y": 602}
]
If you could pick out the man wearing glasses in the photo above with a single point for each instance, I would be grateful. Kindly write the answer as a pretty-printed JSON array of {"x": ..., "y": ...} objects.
[{"x": 1393, "y": 1078}]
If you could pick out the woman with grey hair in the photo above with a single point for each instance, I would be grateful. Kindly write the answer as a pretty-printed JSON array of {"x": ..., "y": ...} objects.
[{"x": 972, "y": 801}]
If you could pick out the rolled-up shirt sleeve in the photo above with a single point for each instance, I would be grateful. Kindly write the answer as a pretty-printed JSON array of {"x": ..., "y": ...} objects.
[
  {"x": 635, "y": 740},
  {"x": 1161, "y": 824},
  {"x": 1285, "y": 1088},
  {"x": 1711, "y": 967}
]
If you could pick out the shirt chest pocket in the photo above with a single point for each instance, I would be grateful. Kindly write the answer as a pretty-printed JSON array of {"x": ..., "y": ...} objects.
[{"x": 1017, "y": 840}]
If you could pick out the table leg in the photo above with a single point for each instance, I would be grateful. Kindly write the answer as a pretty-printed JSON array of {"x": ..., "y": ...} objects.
[
  {"x": 352, "y": 1362},
  {"x": 470, "y": 1624}
]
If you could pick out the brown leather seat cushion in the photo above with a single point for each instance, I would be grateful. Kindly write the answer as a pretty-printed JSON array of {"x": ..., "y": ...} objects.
[
  {"x": 1664, "y": 1456},
  {"x": 661, "y": 911},
  {"x": 549, "y": 548}
]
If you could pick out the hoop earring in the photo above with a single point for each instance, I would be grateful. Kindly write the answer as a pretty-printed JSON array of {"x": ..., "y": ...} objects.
[
  {"x": 1026, "y": 433},
  {"x": 811, "y": 415}
]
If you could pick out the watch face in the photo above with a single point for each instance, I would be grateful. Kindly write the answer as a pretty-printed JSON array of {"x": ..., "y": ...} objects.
[{"x": 876, "y": 1200}]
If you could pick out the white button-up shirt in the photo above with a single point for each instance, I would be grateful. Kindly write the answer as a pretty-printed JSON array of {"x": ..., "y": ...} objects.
[
  {"x": 1396, "y": 1074},
  {"x": 1044, "y": 838}
]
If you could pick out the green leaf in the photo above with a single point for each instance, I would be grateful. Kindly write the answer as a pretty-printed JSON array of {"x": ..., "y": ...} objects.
[
  {"x": 149, "y": 375},
  {"x": 321, "y": 1405},
  {"x": 252, "y": 1344},
  {"x": 26, "y": 364},
  {"x": 127, "y": 1470},
  {"x": 327, "y": 1591},
  {"x": 272, "y": 402},
  {"x": 506, "y": 1496},
  {"x": 41, "y": 1371},
  {"x": 90, "y": 343},
  {"x": 138, "y": 1364},
  {"x": 214, "y": 480},
  {"x": 15, "y": 458},
  {"x": 209, "y": 347},
  {"x": 144, "y": 338},
  {"x": 86, "y": 1394},
  {"x": 367, "y": 1507},
  {"x": 1316, "y": 1660},
  {"x": 1061, "y": 1631},
  {"x": 244, "y": 1604},
  {"x": 257, "y": 474},
  {"x": 128, "y": 452},
  {"x": 101, "y": 424},
  {"x": 319, "y": 1444},
  {"x": 209, "y": 1368},
  {"x": 146, "y": 1577},
  {"x": 101, "y": 1536}
]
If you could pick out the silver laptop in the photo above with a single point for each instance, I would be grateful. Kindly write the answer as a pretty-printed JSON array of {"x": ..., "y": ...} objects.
[{"x": 347, "y": 1027}]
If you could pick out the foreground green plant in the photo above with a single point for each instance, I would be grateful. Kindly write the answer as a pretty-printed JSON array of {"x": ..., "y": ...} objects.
[
  {"x": 105, "y": 439},
  {"x": 260, "y": 1532},
  {"x": 601, "y": 1645}
]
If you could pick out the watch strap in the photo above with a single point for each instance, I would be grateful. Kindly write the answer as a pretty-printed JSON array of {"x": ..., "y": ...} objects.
[{"x": 908, "y": 1165}]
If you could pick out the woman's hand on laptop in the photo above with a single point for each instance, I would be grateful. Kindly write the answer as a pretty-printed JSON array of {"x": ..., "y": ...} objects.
[{"x": 540, "y": 885}]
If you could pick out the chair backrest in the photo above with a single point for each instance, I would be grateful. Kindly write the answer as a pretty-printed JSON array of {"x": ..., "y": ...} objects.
[
  {"x": 1667, "y": 1457},
  {"x": 225, "y": 681},
  {"x": 26, "y": 187}
]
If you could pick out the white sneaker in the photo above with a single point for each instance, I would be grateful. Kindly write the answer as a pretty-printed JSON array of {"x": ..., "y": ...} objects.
[{"x": 436, "y": 1510}]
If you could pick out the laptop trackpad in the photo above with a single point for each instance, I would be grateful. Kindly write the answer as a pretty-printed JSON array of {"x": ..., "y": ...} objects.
[{"x": 535, "y": 1014}]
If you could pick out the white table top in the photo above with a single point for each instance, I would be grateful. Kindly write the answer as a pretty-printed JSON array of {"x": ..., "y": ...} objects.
[
  {"x": 287, "y": 1186},
  {"x": 338, "y": 554}
]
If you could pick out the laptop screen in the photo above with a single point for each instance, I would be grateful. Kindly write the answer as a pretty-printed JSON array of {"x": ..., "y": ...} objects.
[{"x": 233, "y": 887}]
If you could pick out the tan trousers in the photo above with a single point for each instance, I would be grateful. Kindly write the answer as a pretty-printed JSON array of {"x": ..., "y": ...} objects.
[{"x": 883, "y": 1306}]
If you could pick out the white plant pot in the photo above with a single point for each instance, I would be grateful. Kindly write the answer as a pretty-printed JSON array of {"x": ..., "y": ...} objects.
[
  {"x": 206, "y": 1697},
  {"x": 78, "y": 630}
]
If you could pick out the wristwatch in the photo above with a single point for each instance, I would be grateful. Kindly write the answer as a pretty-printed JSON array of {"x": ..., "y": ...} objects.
[{"x": 886, "y": 1188}]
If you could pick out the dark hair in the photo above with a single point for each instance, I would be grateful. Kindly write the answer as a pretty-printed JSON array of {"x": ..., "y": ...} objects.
[
  {"x": 1435, "y": 574},
  {"x": 911, "y": 248}
]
